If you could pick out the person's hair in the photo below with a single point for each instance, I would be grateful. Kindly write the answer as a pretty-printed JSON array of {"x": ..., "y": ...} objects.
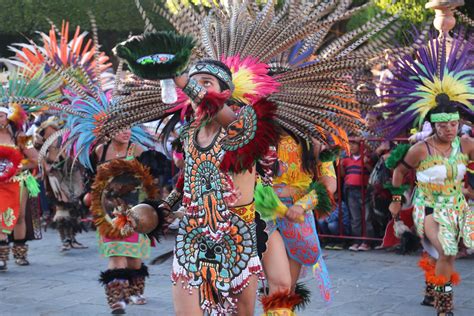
[
  {"x": 443, "y": 105},
  {"x": 221, "y": 65}
]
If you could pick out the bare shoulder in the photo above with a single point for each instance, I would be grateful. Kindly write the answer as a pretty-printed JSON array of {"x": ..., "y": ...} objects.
[
  {"x": 416, "y": 154},
  {"x": 467, "y": 143}
]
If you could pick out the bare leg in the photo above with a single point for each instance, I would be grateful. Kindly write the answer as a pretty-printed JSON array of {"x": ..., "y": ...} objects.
[
  {"x": 134, "y": 263},
  {"x": 444, "y": 264},
  {"x": 19, "y": 232},
  {"x": 276, "y": 265},
  {"x": 186, "y": 302},
  {"x": 444, "y": 270},
  {"x": 246, "y": 299},
  {"x": 295, "y": 269},
  {"x": 117, "y": 263}
]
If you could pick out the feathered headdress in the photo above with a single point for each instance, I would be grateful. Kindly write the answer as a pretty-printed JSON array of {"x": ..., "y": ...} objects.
[
  {"x": 87, "y": 89},
  {"x": 419, "y": 81},
  {"x": 313, "y": 99},
  {"x": 78, "y": 57},
  {"x": 15, "y": 95}
]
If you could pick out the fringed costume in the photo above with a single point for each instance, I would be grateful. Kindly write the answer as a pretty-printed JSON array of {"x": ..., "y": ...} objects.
[
  {"x": 440, "y": 74},
  {"x": 65, "y": 185}
]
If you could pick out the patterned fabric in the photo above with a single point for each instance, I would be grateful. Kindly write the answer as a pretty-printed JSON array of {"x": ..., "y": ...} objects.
[
  {"x": 309, "y": 201},
  {"x": 10, "y": 207},
  {"x": 136, "y": 246},
  {"x": 213, "y": 70},
  {"x": 439, "y": 183},
  {"x": 326, "y": 169},
  {"x": 215, "y": 248},
  {"x": 242, "y": 130},
  {"x": 301, "y": 239},
  {"x": 290, "y": 163}
]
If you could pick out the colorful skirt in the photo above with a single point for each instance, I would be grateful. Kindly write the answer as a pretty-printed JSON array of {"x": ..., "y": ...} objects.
[
  {"x": 455, "y": 223},
  {"x": 135, "y": 246},
  {"x": 217, "y": 273},
  {"x": 10, "y": 205}
]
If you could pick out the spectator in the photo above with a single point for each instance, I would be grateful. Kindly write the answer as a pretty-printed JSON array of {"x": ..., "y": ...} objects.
[
  {"x": 330, "y": 225},
  {"x": 355, "y": 171}
]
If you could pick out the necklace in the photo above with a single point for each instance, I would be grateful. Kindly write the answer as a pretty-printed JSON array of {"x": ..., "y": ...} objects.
[
  {"x": 118, "y": 153},
  {"x": 443, "y": 153}
]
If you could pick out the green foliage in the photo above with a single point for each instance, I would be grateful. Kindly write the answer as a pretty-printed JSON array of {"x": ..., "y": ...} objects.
[
  {"x": 412, "y": 14},
  {"x": 410, "y": 10},
  {"x": 115, "y": 19}
]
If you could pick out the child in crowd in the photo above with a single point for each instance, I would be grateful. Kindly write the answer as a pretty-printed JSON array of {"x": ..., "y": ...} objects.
[{"x": 355, "y": 172}]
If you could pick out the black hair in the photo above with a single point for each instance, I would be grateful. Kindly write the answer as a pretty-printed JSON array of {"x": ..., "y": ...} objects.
[
  {"x": 443, "y": 105},
  {"x": 222, "y": 85}
]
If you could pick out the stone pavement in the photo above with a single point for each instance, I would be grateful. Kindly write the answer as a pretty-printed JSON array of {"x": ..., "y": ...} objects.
[{"x": 372, "y": 283}]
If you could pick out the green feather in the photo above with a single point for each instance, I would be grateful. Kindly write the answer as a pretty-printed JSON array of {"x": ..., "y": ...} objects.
[
  {"x": 148, "y": 44},
  {"x": 266, "y": 201},
  {"x": 329, "y": 154},
  {"x": 324, "y": 206},
  {"x": 32, "y": 185},
  {"x": 397, "y": 154},
  {"x": 396, "y": 190}
]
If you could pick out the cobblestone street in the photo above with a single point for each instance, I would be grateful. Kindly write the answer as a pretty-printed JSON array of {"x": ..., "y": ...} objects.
[{"x": 371, "y": 283}]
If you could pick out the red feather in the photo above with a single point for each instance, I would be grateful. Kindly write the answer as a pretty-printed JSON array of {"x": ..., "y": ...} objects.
[
  {"x": 282, "y": 299},
  {"x": 180, "y": 182},
  {"x": 211, "y": 104},
  {"x": 266, "y": 135},
  {"x": 14, "y": 156}
]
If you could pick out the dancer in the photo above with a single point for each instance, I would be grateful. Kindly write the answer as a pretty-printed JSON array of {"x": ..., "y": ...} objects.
[
  {"x": 125, "y": 276},
  {"x": 64, "y": 183},
  {"x": 441, "y": 213},
  {"x": 287, "y": 250},
  {"x": 20, "y": 158}
]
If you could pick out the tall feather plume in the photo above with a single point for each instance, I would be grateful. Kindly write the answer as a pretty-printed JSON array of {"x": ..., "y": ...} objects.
[
  {"x": 149, "y": 27},
  {"x": 95, "y": 37},
  {"x": 48, "y": 142}
]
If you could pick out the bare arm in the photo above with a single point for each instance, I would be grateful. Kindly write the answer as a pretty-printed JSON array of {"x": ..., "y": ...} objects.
[
  {"x": 29, "y": 151},
  {"x": 224, "y": 117},
  {"x": 412, "y": 159}
]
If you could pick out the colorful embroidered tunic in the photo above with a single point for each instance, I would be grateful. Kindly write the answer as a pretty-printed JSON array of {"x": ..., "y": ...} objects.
[
  {"x": 216, "y": 244},
  {"x": 439, "y": 187},
  {"x": 301, "y": 239}
]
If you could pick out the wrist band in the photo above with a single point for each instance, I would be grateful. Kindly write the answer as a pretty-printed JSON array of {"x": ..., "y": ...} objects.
[
  {"x": 194, "y": 91},
  {"x": 396, "y": 198}
]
